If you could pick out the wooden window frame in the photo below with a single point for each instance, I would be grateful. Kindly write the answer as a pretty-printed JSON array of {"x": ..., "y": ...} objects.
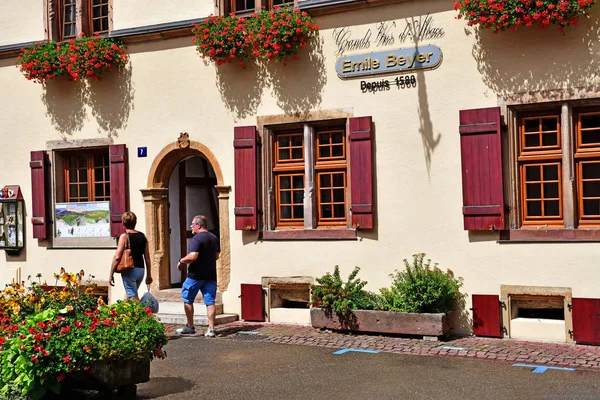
[
  {"x": 573, "y": 225},
  {"x": 83, "y": 19},
  {"x": 311, "y": 167},
  {"x": 228, "y": 6},
  {"x": 91, "y": 169}
]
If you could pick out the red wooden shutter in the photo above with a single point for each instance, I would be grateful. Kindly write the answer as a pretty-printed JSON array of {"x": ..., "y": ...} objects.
[
  {"x": 481, "y": 156},
  {"x": 39, "y": 211},
  {"x": 486, "y": 315},
  {"x": 586, "y": 320},
  {"x": 361, "y": 172},
  {"x": 244, "y": 145},
  {"x": 252, "y": 303},
  {"x": 118, "y": 187}
]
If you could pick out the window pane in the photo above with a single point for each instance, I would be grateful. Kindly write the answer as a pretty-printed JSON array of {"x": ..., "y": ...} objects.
[
  {"x": 73, "y": 191},
  {"x": 591, "y": 170},
  {"x": 97, "y": 25},
  {"x": 324, "y": 152},
  {"x": 326, "y": 211},
  {"x": 298, "y": 211},
  {"x": 82, "y": 175},
  {"x": 284, "y": 182},
  {"x": 551, "y": 208},
  {"x": 297, "y": 154},
  {"x": 325, "y": 180},
  {"x": 298, "y": 196},
  {"x": 551, "y": 190},
  {"x": 298, "y": 181},
  {"x": 534, "y": 191},
  {"x": 83, "y": 160},
  {"x": 531, "y": 125},
  {"x": 590, "y": 121},
  {"x": 83, "y": 191},
  {"x": 105, "y": 10},
  {"x": 297, "y": 140},
  {"x": 286, "y": 212},
  {"x": 549, "y": 124},
  {"x": 73, "y": 175},
  {"x": 534, "y": 208},
  {"x": 325, "y": 138},
  {"x": 337, "y": 137},
  {"x": 285, "y": 197},
  {"x": 96, "y": 12},
  {"x": 591, "y": 189},
  {"x": 590, "y": 137},
  {"x": 591, "y": 207},
  {"x": 337, "y": 151},
  {"x": 338, "y": 195},
  {"x": 284, "y": 141},
  {"x": 532, "y": 140},
  {"x": 550, "y": 172},
  {"x": 104, "y": 24},
  {"x": 338, "y": 180},
  {"x": 549, "y": 139},
  {"x": 532, "y": 173},
  {"x": 99, "y": 188},
  {"x": 98, "y": 174},
  {"x": 326, "y": 196},
  {"x": 338, "y": 211},
  {"x": 284, "y": 154}
]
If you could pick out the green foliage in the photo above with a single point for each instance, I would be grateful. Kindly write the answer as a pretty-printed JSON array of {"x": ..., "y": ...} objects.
[
  {"x": 333, "y": 294},
  {"x": 421, "y": 288}
]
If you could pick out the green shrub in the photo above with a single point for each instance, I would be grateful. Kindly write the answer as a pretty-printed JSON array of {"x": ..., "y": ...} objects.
[
  {"x": 333, "y": 294},
  {"x": 421, "y": 288}
]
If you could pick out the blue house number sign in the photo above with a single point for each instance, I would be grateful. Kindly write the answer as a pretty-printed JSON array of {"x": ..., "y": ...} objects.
[{"x": 142, "y": 151}]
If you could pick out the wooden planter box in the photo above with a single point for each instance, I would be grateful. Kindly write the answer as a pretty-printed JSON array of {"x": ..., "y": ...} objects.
[
  {"x": 427, "y": 325},
  {"x": 108, "y": 375}
]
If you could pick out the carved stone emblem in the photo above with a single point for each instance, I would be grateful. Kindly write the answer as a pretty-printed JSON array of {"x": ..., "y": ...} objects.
[{"x": 183, "y": 142}]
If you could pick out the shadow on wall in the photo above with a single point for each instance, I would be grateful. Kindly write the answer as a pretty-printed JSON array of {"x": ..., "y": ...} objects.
[
  {"x": 241, "y": 89},
  {"x": 514, "y": 73},
  {"x": 110, "y": 101}
]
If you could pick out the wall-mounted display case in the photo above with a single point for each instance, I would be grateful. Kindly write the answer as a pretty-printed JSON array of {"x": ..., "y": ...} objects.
[{"x": 12, "y": 208}]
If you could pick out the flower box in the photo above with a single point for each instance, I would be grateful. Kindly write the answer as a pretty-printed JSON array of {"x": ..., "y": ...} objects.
[
  {"x": 109, "y": 375},
  {"x": 399, "y": 323}
]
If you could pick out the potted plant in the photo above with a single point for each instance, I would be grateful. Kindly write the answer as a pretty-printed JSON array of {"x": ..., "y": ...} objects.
[
  {"x": 51, "y": 337},
  {"x": 76, "y": 59},
  {"x": 500, "y": 15},
  {"x": 418, "y": 302},
  {"x": 222, "y": 39}
]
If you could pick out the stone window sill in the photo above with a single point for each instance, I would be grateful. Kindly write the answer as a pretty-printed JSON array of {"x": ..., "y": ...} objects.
[{"x": 310, "y": 234}]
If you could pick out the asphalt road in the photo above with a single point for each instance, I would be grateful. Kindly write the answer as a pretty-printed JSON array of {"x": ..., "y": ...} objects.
[{"x": 199, "y": 368}]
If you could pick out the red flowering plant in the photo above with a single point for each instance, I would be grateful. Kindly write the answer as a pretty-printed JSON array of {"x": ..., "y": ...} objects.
[
  {"x": 280, "y": 33},
  {"x": 222, "y": 39},
  {"x": 83, "y": 57},
  {"x": 64, "y": 333},
  {"x": 500, "y": 15}
]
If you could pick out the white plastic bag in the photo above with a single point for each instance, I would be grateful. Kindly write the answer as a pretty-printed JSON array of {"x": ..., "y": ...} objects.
[{"x": 149, "y": 300}]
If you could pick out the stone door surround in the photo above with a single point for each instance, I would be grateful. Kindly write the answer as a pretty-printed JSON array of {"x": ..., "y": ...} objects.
[{"x": 156, "y": 199}]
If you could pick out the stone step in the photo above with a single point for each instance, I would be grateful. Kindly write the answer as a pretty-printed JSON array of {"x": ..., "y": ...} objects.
[
  {"x": 174, "y": 295},
  {"x": 172, "y": 307},
  {"x": 199, "y": 320}
]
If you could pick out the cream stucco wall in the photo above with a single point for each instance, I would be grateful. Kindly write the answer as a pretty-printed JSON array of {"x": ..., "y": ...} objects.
[
  {"x": 134, "y": 13},
  {"x": 19, "y": 26},
  {"x": 167, "y": 89}
]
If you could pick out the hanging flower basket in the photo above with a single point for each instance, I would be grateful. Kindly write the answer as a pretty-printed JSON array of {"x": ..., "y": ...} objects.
[
  {"x": 280, "y": 33},
  {"x": 501, "y": 15},
  {"x": 277, "y": 35},
  {"x": 84, "y": 57}
]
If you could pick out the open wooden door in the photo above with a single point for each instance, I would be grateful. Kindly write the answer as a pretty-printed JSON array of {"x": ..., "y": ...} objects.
[{"x": 486, "y": 315}]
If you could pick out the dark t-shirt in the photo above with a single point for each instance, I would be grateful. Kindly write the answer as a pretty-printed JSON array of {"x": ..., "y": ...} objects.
[
  {"x": 205, "y": 266},
  {"x": 137, "y": 243}
]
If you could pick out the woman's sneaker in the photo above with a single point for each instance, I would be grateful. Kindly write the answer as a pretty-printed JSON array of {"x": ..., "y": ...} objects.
[
  {"x": 186, "y": 330},
  {"x": 210, "y": 333}
]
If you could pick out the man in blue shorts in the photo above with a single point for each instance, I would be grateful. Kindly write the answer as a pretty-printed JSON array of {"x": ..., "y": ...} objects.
[{"x": 201, "y": 262}]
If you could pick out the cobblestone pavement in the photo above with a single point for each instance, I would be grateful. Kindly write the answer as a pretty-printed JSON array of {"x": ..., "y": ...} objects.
[{"x": 503, "y": 350}]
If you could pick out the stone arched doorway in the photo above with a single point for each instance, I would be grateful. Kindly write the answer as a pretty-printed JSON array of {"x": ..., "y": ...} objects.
[{"x": 156, "y": 201}]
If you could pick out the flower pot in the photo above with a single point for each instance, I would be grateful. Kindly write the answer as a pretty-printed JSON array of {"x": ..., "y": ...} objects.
[
  {"x": 108, "y": 375},
  {"x": 428, "y": 325}
]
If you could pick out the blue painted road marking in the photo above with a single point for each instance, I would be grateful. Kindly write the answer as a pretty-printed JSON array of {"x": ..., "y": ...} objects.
[
  {"x": 342, "y": 351},
  {"x": 540, "y": 369}
]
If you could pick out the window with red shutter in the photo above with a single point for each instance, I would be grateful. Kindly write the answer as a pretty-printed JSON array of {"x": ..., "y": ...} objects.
[
  {"x": 246, "y": 195},
  {"x": 481, "y": 156},
  {"x": 361, "y": 172},
  {"x": 118, "y": 187}
]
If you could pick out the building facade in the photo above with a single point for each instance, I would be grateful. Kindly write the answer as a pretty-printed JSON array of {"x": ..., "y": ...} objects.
[{"x": 398, "y": 130}]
